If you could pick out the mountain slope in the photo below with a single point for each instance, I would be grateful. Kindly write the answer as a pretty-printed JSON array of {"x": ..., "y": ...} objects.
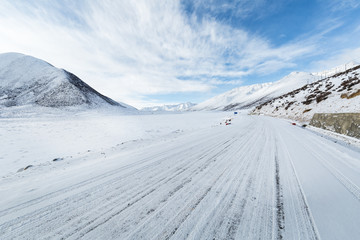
[
  {"x": 336, "y": 94},
  {"x": 25, "y": 80},
  {"x": 170, "y": 108},
  {"x": 253, "y": 95}
]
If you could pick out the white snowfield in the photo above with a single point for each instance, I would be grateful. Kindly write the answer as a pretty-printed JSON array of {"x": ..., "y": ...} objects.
[{"x": 258, "y": 178}]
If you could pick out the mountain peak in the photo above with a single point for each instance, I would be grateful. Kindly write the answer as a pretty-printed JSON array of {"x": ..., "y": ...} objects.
[{"x": 26, "y": 80}]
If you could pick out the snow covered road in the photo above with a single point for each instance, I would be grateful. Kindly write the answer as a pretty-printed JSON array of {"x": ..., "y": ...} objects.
[{"x": 259, "y": 178}]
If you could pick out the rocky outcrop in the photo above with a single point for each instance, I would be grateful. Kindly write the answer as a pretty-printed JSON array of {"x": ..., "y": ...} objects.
[{"x": 343, "y": 123}]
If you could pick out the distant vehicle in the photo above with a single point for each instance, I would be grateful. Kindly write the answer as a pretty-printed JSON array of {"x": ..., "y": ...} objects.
[
  {"x": 228, "y": 121},
  {"x": 293, "y": 123},
  {"x": 235, "y": 113}
]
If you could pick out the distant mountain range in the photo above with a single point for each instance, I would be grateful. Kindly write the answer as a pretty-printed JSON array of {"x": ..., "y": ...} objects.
[
  {"x": 25, "y": 80},
  {"x": 28, "y": 81},
  {"x": 251, "y": 96},
  {"x": 170, "y": 108}
]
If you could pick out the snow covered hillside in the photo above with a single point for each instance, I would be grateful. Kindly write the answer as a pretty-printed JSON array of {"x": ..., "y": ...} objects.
[
  {"x": 25, "y": 80},
  {"x": 253, "y": 95},
  {"x": 170, "y": 108},
  {"x": 339, "y": 93}
]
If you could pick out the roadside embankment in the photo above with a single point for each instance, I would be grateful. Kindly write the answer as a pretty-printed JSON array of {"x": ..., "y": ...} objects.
[{"x": 343, "y": 123}]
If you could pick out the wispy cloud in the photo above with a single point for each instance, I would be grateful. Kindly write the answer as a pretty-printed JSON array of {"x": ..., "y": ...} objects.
[
  {"x": 340, "y": 5},
  {"x": 129, "y": 49},
  {"x": 345, "y": 56},
  {"x": 234, "y": 8}
]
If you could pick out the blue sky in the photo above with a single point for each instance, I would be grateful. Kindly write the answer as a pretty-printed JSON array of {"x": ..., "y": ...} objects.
[{"x": 150, "y": 52}]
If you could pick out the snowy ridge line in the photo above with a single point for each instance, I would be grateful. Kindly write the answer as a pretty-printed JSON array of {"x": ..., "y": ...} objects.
[
  {"x": 66, "y": 201},
  {"x": 309, "y": 216},
  {"x": 337, "y": 70}
]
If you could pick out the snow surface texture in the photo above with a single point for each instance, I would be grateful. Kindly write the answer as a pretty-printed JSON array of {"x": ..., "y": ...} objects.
[
  {"x": 170, "y": 108},
  {"x": 25, "y": 80},
  {"x": 38, "y": 140},
  {"x": 339, "y": 93},
  {"x": 258, "y": 178},
  {"x": 253, "y": 95}
]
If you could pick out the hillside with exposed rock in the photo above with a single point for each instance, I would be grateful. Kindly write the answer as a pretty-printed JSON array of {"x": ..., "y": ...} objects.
[
  {"x": 247, "y": 97},
  {"x": 339, "y": 93}
]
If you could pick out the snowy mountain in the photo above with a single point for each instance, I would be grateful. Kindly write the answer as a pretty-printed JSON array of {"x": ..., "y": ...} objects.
[
  {"x": 250, "y": 96},
  {"x": 170, "y": 108},
  {"x": 25, "y": 80},
  {"x": 338, "y": 93}
]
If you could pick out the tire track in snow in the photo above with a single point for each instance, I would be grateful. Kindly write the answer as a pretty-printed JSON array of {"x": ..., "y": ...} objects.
[
  {"x": 233, "y": 226},
  {"x": 221, "y": 186},
  {"x": 307, "y": 218},
  {"x": 172, "y": 192},
  {"x": 223, "y": 145},
  {"x": 164, "y": 213},
  {"x": 211, "y": 193},
  {"x": 51, "y": 208},
  {"x": 280, "y": 215},
  {"x": 345, "y": 181},
  {"x": 190, "y": 209},
  {"x": 253, "y": 181},
  {"x": 89, "y": 181},
  {"x": 259, "y": 215}
]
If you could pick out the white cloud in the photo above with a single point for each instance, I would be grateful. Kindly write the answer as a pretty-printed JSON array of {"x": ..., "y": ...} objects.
[
  {"x": 340, "y": 5},
  {"x": 134, "y": 48},
  {"x": 344, "y": 57}
]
